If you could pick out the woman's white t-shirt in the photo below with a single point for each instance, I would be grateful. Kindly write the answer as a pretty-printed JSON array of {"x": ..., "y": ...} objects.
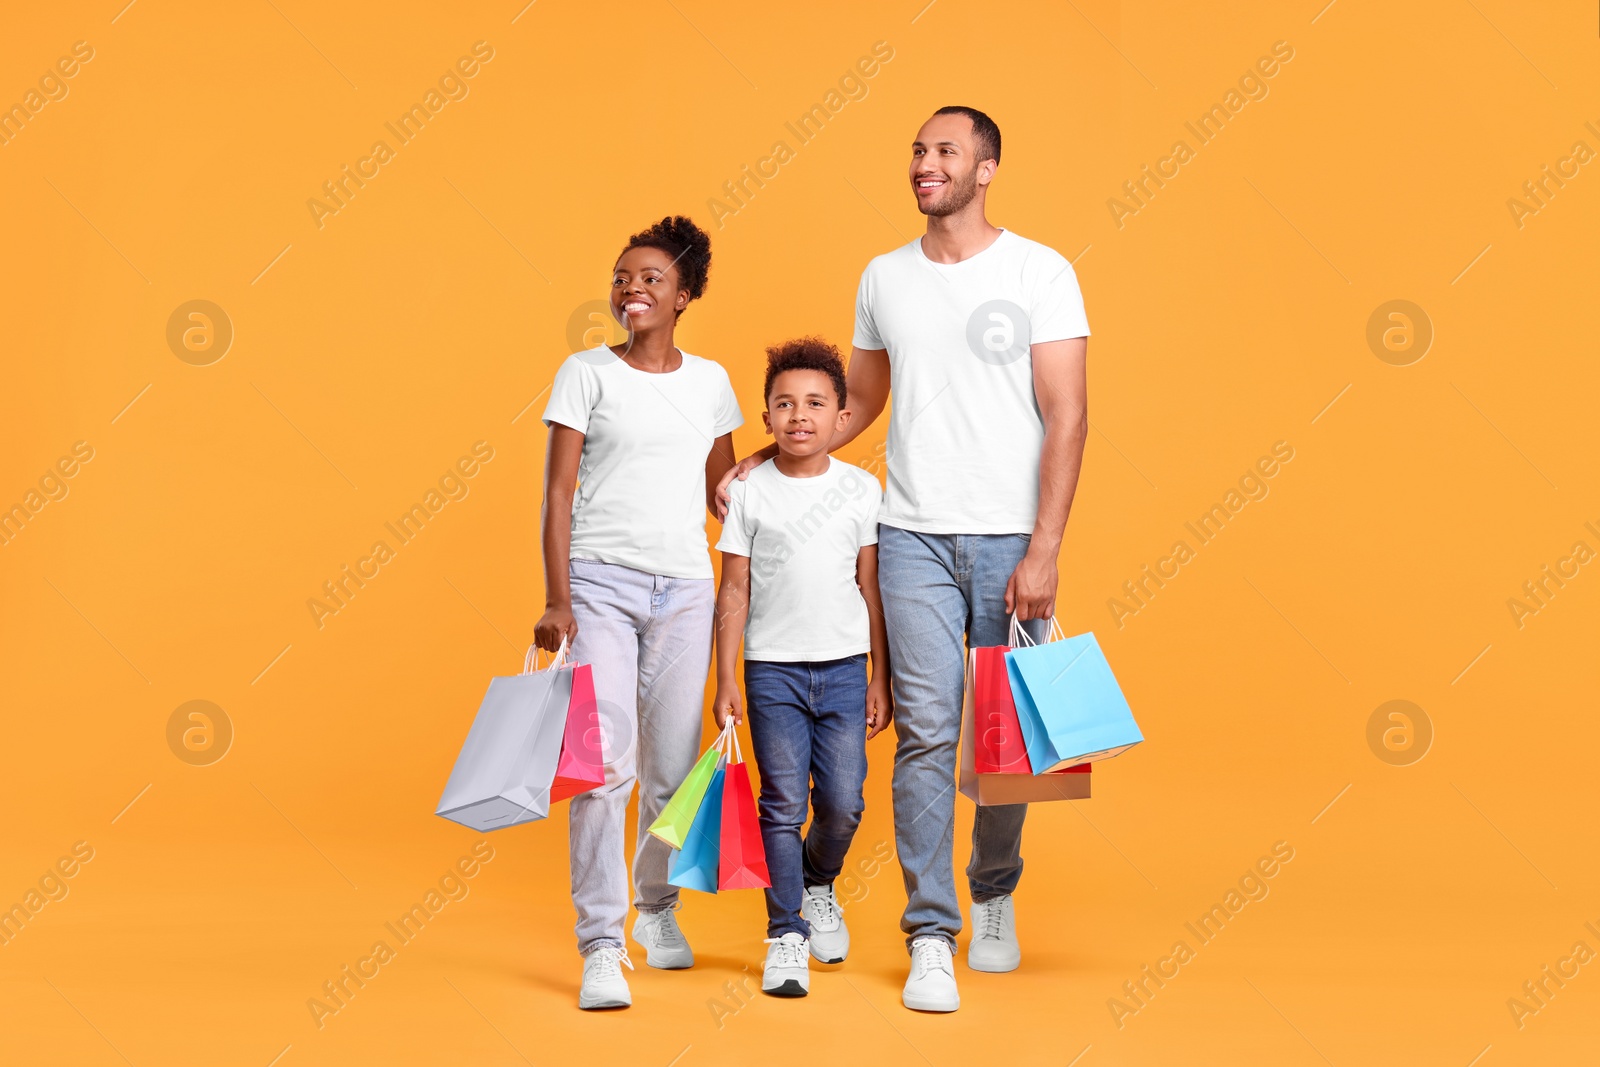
[
  {"x": 802, "y": 536},
  {"x": 641, "y": 494},
  {"x": 965, "y": 432}
]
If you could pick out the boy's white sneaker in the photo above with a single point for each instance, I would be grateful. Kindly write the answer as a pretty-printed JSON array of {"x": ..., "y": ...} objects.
[
  {"x": 994, "y": 936},
  {"x": 603, "y": 983},
  {"x": 932, "y": 984},
  {"x": 664, "y": 944},
  {"x": 830, "y": 939},
  {"x": 787, "y": 973}
]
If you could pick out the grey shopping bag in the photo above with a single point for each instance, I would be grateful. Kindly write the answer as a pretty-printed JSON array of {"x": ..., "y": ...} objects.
[{"x": 508, "y": 761}]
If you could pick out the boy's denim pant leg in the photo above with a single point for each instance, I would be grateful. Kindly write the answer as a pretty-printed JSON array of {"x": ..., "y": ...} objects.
[
  {"x": 938, "y": 588},
  {"x": 808, "y": 726},
  {"x": 648, "y": 639}
]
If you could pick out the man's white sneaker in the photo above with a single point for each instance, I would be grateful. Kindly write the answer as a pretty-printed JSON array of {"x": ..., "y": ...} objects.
[
  {"x": 994, "y": 936},
  {"x": 830, "y": 939},
  {"x": 603, "y": 983},
  {"x": 787, "y": 973},
  {"x": 932, "y": 985},
  {"x": 664, "y": 944}
]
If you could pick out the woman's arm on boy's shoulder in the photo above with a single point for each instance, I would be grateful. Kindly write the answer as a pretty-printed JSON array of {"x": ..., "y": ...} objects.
[
  {"x": 880, "y": 700},
  {"x": 733, "y": 607},
  {"x": 719, "y": 461},
  {"x": 560, "y": 483}
]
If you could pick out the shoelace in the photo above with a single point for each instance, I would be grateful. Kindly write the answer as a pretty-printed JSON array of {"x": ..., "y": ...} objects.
[
  {"x": 610, "y": 963},
  {"x": 666, "y": 927},
  {"x": 790, "y": 953},
  {"x": 827, "y": 907},
  {"x": 931, "y": 955},
  {"x": 993, "y": 920}
]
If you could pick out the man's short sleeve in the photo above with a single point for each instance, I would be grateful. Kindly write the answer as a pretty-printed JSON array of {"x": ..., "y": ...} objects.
[
  {"x": 729, "y": 417},
  {"x": 1057, "y": 312},
  {"x": 737, "y": 537},
  {"x": 573, "y": 395},
  {"x": 866, "y": 335}
]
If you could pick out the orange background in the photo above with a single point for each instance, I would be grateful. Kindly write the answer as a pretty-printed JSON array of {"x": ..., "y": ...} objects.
[{"x": 432, "y": 310}]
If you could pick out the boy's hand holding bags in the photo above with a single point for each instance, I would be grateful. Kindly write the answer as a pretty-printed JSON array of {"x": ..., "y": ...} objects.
[{"x": 713, "y": 815}]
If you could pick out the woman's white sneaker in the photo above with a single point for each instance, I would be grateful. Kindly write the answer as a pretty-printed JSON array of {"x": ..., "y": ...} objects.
[
  {"x": 932, "y": 984},
  {"x": 603, "y": 983},
  {"x": 830, "y": 939},
  {"x": 787, "y": 973},
  {"x": 664, "y": 944},
  {"x": 994, "y": 936}
]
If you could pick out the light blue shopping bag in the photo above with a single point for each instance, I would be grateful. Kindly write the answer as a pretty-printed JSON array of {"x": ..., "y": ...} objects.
[
  {"x": 695, "y": 865},
  {"x": 1069, "y": 705}
]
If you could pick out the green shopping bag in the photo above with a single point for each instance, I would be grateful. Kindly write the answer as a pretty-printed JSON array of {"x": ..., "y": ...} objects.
[{"x": 673, "y": 824}]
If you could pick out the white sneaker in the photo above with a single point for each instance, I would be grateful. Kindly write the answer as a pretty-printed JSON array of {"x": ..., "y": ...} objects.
[
  {"x": 603, "y": 983},
  {"x": 664, "y": 944},
  {"x": 932, "y": 985},
  {"x": 994, "y": 937},
  {"x": 787, "y": 973},
  {"x": 830, "y": 939}
]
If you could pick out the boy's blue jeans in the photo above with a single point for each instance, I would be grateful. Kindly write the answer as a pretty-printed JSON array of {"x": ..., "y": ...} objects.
[
  {"x": 937, "y": 589},
  {"x": 808, "y": 726}
]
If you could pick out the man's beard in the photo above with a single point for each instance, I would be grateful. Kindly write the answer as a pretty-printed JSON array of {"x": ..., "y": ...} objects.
[{"x": 957, "y": 196}]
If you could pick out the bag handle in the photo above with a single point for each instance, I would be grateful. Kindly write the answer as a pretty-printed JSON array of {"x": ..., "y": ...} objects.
[
  {"x": 734, "y": 752},
  {"x": 1019, "y": 637},
  {"x": 530, "y": 662}
]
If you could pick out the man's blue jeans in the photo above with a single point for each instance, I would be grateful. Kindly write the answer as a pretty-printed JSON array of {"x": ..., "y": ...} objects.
[
  {"x": 937, "y": 589},
  {"x": 808, "y": 726}
]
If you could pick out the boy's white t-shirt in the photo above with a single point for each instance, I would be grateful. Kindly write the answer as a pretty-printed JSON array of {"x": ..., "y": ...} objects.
[
  {"x": 965, "y": 432},
  {"x": 641, "y": 495},
  {"x": 802, "y": 536}
]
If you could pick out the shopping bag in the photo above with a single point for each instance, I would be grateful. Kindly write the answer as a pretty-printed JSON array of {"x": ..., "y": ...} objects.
[
  {"x": 695, "y": 865},
  {"x": 998, "y": 745},
  {"x": 743, "y": 862},
  {"x": 1068, "y": 702},
  {"x": 502, "y": 776},
  {"x": 581, "y": 765},
  {"x": 672, "y": 825},
  {"x": 1019, "y": 785}
]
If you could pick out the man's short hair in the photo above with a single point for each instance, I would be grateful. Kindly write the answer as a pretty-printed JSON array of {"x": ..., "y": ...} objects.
[{"x": 984, "y": 131}]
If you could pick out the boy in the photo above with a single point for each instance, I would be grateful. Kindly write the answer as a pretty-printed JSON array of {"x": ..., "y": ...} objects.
[{"x": 800, "y": 560}]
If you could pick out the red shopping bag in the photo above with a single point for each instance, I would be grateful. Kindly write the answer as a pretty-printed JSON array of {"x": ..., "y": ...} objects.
[
  {"x": 998, "y": 744},
  {"x": 581, "y": 766},
  {"x": 743, "y": 862}
]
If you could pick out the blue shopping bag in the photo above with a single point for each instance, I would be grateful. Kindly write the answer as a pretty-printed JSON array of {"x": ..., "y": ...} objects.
[
  {"x": 695, "y": 865},
  {"x": 1069, "y": 705}
]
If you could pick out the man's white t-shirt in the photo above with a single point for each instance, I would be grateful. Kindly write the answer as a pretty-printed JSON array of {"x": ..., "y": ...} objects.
[
  {"x": 641, "y": 495},
  {"x": 965, "y": 432},
  {"x": 802, "y": 536}
]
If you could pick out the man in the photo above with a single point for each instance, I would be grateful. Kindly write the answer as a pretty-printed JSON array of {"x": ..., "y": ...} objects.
[{"x": 984, "y": 338}]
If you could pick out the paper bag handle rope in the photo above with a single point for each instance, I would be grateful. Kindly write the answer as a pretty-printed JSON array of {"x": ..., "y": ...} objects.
[
  {"x": 530, "y": 662},
  {"x": 1019, "y": 637}
]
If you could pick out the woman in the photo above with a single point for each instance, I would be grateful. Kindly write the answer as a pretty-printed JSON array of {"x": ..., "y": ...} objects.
[{"x": 638, "y": 432}]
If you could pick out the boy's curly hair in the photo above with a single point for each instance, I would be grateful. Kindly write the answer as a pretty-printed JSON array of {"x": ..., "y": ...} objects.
[
  {"x": 687, "y": 244},
  {"x": 806, "y": 353}
]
